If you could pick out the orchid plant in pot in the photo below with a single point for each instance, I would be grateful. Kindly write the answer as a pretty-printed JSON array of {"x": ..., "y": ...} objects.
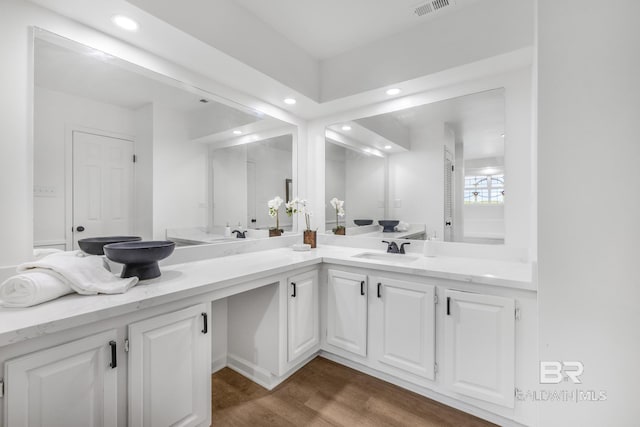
[
  {"x": 274, "y": 207},
  {"x": 338, "y": 205},
  {"x": 301, "y": 206}
]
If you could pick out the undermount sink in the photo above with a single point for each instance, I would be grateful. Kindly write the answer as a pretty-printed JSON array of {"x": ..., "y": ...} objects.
[{"x": 378, "y": 256}]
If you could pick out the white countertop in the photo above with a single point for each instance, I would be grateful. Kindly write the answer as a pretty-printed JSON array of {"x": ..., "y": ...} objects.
[{"x": 194, "y": 278}]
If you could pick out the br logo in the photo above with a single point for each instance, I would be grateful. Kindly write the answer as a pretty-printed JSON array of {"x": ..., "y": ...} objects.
[{"x": 555, "y": 372}]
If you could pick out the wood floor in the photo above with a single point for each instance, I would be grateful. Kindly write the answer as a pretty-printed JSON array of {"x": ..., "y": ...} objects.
[{"x": 324, "y": 393}]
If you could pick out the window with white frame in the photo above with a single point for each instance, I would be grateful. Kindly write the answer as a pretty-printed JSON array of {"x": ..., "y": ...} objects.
[{"x": 484, "y": 189}]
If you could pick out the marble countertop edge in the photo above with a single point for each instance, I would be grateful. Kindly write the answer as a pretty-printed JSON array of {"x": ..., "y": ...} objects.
[{"x": 195, "y": 278}]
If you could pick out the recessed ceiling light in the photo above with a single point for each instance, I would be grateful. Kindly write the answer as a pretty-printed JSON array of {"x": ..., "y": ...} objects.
[
  {"x": 393, "y": 91},
  {"x": 237, "y": 132},
  {"x": 502, "y": 135},
  {"x": 346, "y": 127},
  {"x": 125, "y": 23},
  {"x": 387, "y": 147},
  {"x": 290, "y": 101}
]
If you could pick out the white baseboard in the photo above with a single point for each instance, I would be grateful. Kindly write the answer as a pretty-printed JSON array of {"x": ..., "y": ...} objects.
[
  {"x": 257, "y": 374},
  {"x": 251, "y": 371},
  {"x": 454, "y": 403},
  {"x": 218, "y": 364}
]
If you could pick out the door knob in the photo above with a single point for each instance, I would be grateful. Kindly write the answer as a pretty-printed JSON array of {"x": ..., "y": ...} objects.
[{"x": 79, "y": 229}]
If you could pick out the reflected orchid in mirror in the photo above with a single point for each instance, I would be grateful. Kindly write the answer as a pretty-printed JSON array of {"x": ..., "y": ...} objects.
[
  {"x": 274, "y": 206},
  {"x": 300, "y": 206},
  {"x": 338, "y": 205}
]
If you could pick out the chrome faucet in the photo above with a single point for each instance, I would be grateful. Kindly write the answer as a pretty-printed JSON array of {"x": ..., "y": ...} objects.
[{"x": 392, "y": 247}]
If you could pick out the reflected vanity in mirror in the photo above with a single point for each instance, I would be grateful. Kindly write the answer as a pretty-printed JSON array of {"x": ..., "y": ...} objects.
[
  {"x": 437, "y": 168},
  {"x": 120, "y": 149}
]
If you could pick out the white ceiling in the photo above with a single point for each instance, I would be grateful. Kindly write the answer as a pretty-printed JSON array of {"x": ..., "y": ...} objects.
[
  {"x": 330, "y": 27},
  {"x": 224, "y": 74}
]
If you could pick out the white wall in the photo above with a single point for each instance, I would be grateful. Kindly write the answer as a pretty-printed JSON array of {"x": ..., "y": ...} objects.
[
  {"x": 589, "y": 234},
  {"x": 481, "y": 30},
  {"x": 143, "y": 203},
  {"x": 335, "y": 183},
  {"x": 483, "y": 221},
  {"x": 519, "y": 203},
  {"x": 416, "y": 179},
  {"x": 364, "y": 190},
  {"x": 180, "y": 174},
  {"x": 273, "y": 166},
  {"x": 16, "y": 149},
  {"x": 56, "y": 114},
  {"x": 356, "y": 178},
  {"x": 229, "y": 168}
]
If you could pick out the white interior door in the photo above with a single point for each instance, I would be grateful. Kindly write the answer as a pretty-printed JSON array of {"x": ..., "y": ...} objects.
[{"x": 102, "y": 186}]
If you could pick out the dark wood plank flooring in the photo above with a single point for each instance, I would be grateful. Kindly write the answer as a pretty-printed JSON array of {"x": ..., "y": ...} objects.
[{"x": 324, "y": 393}]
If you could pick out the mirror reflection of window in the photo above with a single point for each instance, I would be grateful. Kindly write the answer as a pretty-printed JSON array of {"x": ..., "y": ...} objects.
[{"x": 484, "y": 190}]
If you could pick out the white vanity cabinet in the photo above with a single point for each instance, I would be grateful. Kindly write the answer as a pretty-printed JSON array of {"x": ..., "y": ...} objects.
[
  {"x": 402, "y": 325},
  {"x": 73, "y": 384},
  {"x": 347, "y": 311},
  {"x": 303, "y": 322},
  {"x": 479, "y": 346},
  {"x": 169, "y": 369},
  {"x": 80, "y": 377}
]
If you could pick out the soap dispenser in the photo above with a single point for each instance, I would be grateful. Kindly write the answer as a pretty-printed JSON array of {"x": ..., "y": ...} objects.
[
  {"x": 227, "y": 231},
  {"x": 429, "y": 246}
]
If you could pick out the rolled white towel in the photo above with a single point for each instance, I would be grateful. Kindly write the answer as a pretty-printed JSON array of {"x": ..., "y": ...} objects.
[
  {"x": 85, "y": 273},
  {"x": 39, "y": 253},
  {"x": 32, "y": 288}
]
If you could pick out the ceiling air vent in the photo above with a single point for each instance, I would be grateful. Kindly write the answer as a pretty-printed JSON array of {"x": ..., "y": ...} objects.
[{"x": 432, "y": 6}]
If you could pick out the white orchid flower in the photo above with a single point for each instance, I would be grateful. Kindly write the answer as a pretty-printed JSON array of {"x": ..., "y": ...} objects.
[{"x": 274, "y": 205}]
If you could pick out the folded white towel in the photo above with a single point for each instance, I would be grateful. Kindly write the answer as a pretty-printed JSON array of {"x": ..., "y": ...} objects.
[
  {"x": 39, "y": 253},
  {"x": 85, "y": 273},
  {"x": 32, "y": 288},
  {"x": 403, "y": 226}
]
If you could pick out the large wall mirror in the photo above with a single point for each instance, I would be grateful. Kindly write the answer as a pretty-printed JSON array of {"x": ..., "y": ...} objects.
[
  {"x": 438, "y": 169},
  {"x": 119, "y": 149}
]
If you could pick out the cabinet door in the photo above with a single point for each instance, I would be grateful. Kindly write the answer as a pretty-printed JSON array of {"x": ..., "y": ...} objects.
[
  {"x": 69, "y": 385},
  {"x": 347, "y": 311},
  {"x": 169, "y": 369},
  {"x": 403, "y": 323},
  {"x": 303, "y": 332},
  {"x": 480, "y": 346}
]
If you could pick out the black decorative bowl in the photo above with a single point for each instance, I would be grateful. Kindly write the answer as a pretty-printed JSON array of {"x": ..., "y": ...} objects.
[
  {"x": 361, "y": 222},
  {"x": 388, "y": 224},
  {"x": 140, "y": 258},
  {"x": 94, "y": 245}
]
